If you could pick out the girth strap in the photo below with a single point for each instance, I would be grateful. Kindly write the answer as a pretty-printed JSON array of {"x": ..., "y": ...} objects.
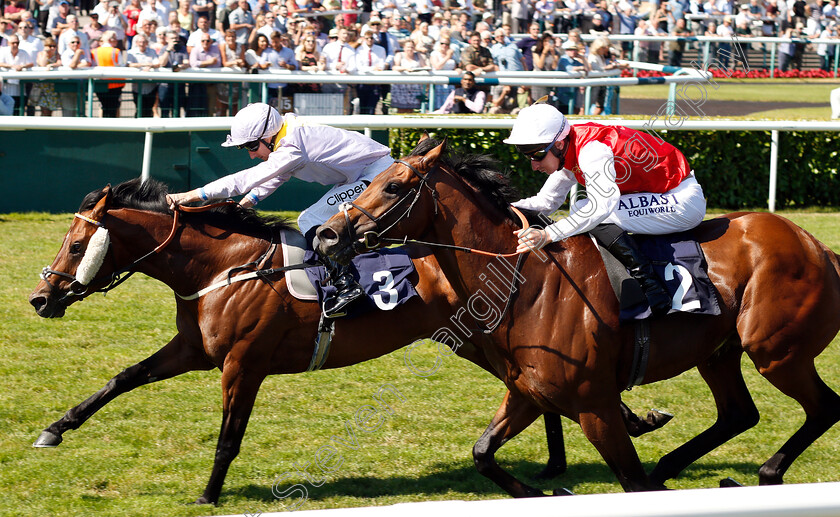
[{"x": 641, "y": 354}]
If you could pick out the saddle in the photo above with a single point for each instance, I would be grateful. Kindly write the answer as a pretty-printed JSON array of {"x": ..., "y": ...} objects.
[{"x": 679, "y": 262}]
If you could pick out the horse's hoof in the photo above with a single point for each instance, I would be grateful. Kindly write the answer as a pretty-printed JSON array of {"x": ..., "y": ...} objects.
[
  {"x": 203, "y": 500},
  {"x": 562, "y": 491},
  {"x": 48, "y": 439},
  {"x": 551, "y": 471},
  {"x": 659, "y": 418},
  {"x": 729, "y": 482}
]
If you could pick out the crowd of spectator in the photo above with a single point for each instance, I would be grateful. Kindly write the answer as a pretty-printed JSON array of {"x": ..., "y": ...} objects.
[{"x": 470, "y": 36}]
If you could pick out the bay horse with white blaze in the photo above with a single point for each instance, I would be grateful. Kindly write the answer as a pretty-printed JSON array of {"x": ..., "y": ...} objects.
[
  {"x": 560, "y": 347},
  {"x": 248, "y": 330}
]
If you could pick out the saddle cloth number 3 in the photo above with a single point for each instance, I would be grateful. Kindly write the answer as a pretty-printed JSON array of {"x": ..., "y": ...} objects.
[
  {"x": 386, "y": 296},
  {"x": 685, "y": 284}
]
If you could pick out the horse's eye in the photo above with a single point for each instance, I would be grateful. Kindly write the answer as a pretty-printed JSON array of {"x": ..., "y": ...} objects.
[
  {"x": 392, "y": 188},
  {"x": 76, "y": 248}
]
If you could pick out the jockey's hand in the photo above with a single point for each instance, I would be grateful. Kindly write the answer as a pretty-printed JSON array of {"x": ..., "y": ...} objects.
[
  {"x": 246, "y": 202},
  {"x": 182, "y": 198},
  {"x": 531, "y": 239}
]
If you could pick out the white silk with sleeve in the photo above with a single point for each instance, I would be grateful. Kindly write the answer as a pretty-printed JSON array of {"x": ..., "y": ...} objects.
[
  {"x": 316, "y": 154},
  {"x": 602, "y": 193}
]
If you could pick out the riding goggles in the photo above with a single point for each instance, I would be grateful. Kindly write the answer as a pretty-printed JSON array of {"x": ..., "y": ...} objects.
[
  {"x": 255, "y": 144},
  {"x": 251, "y": 146},
  {"x": 541, "y": 152}
]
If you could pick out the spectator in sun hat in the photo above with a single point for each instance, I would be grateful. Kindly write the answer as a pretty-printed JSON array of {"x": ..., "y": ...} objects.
[
  {"x": 289, "y": 148},
  {"x": 602, "y": 158}
]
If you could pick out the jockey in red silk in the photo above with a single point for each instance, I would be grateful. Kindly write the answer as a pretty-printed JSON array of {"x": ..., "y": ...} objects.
[{"x": 635, "y": 182}]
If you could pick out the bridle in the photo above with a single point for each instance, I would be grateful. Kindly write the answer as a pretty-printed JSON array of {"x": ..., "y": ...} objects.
[
  {"x": 78, "y": 289},
  {"x": 374, "y": 239}
]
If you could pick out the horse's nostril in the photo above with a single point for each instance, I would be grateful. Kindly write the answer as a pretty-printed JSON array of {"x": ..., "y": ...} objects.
[
  {"x": 38, "y": 302},
  {"x": 327, "y": 235}
]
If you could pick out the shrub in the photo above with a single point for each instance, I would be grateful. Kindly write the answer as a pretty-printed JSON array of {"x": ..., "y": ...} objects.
[{"x": 732, "y": 166}]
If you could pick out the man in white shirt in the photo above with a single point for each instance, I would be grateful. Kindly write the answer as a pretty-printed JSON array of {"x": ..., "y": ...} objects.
[
  {"x": 203, "y": 28},
  {"x": 114, "y": 20},
  {"x": 74, "y": 57},
  {"x": 287, "y": 148},
  {"x": 142, "y": 57},
  {"x": 154, "y": 11},
  {"x": 271, "y": 26},
  {"x": 28, "y": 42},
  {"x": 370, "y": 57},
  {"x": 14, "y": 59},
  {"x": 72, "y": 31},
  {"x": 339, "y": 54}
]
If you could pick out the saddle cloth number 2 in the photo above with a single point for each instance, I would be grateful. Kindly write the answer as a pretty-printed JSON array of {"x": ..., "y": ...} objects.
[{"x": 677, "y": 302}]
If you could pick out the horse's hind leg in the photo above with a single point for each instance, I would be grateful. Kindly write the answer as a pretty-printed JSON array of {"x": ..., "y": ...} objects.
[
  {"x": 556, "y": 464},
  {"x": 637, "y": 426},
  {"x": 514, "y": 415},
  {"x": 735, "y": 407},
  {"x": 175, "y": 358},
  {"x": 239, "y": 391},
  {"x": 822, "y": 410}
]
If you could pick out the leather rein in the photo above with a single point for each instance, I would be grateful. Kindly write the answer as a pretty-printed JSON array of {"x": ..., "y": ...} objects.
[
  {"x": 374, "y": 239},
  {"x": 117, "y": 278}
]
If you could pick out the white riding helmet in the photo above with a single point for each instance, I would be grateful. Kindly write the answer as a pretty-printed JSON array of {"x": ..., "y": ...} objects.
[
  {"x": 253, "y": 122},
  {"x": 538, "y": 124}
]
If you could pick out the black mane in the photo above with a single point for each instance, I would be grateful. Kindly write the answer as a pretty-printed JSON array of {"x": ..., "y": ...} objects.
[
  {"x": 482, "y": 173},
  {"x": 151, "y": 196}
]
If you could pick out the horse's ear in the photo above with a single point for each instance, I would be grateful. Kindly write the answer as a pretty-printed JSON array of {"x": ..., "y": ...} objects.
[
  {"x": 430, "y": 158},
  {"x": 424, "y": 136},
  {"x": 103, "y": 204}
]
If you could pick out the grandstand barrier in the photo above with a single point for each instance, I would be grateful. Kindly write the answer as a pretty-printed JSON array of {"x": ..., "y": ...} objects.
[
  {"x": 804, "y": 500},
  {"x": 368, "y": 123},
  {"x": 91, "y": 76}
]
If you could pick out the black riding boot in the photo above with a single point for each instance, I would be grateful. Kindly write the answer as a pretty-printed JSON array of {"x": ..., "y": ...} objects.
[
  {"x": 347, "y": 289},
  {"x": 625, "y": 250}
]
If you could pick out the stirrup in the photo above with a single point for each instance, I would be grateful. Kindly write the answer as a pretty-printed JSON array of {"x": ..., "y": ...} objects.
[{"x": 334, "y": 306}]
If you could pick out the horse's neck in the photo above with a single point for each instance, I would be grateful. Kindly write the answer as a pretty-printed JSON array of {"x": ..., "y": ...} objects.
[
  {"x": 470, "y": 220},
  {"x": 193, "y": 258}
]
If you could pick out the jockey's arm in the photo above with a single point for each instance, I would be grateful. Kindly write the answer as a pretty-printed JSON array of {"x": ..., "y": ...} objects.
[
  {"x": 551, "y": 195},
  {"x": 602, "y": 194},
  {"x": 275, "y": 171}
]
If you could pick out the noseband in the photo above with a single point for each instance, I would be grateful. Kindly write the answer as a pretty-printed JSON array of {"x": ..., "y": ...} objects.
[
  {"x": 373, "y": 239},
  {"x": 78, "y": 288}
]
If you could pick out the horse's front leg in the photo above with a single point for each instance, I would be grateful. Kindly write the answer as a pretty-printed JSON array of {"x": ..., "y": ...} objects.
[
  {"x": 605, "y": 428},
  {"x": 239, "y": 391},
  {"x": 175, "y": 358},
  {"x": 515, "y": 414}
]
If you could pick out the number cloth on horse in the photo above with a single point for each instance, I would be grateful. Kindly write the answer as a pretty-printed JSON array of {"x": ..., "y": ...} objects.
[
  {"x": 680, "y": 264},
  {"x": 383, "y": 274}
]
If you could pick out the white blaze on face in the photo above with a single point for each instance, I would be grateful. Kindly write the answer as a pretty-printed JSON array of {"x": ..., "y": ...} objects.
[{"x": 94, "y": 256}]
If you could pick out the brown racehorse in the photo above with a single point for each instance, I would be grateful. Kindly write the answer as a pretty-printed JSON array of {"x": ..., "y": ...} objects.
[
  {"x": 560, "y": 348},
  {"x": 249, "y": 329}
]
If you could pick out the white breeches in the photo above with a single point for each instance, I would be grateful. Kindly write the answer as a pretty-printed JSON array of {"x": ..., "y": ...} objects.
[
  {"x": 327, "y": 206},
  {"x": 680, "y": 209}
]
